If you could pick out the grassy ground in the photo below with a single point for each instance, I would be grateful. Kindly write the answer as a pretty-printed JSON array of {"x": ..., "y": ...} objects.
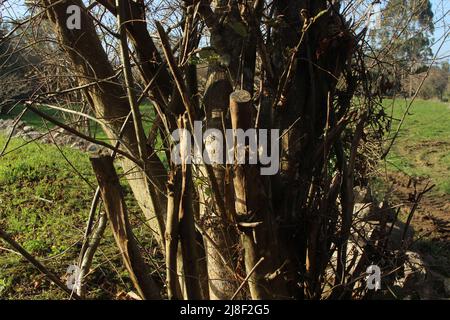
[
  {"x": 44, "y": 204},
  {"x": 423, "y": 145},
  {"x": 422, "y": 151}
]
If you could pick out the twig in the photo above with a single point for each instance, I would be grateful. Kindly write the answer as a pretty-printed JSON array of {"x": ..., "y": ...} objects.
[
  {"x": 413, "y": 209},
  {"x": 90, "y": 222},
  {"x": 12, "y": 132},
  {"x": 172, "y": 234},
  {"x": 137, "y": 121},
  {"x": 89, "y": 253},
  {"x": 50, "y": 275},
  {"x": 67, "y": 160},
  {"x": 247, "y": 277},
  {"x": 81, "y": 135}
]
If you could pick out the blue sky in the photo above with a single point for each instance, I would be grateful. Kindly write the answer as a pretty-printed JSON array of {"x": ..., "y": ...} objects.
[{"x": 441, "y": 9}]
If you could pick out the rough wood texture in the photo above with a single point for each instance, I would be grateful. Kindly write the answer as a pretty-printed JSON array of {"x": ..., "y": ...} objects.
[
  {"x": 84, "y": 49},
  {"x": 172, "y": 235},
  {"x": 88, "y": 255},
  {"x": 115, "y": 208},
  {"x": 252, "y": 212},
  {"x": 215, "y": 216},
  {"x": 187, "y": 225}
]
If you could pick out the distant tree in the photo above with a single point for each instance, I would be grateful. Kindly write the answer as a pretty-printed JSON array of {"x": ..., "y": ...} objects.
[
  {"x": 9, "y": 71},
  {"x": 16, "y": 66},
  {"x": 403, "y": 39},
  {"x": 436, "y": 83},
  {"x": 441, "y": 82}
]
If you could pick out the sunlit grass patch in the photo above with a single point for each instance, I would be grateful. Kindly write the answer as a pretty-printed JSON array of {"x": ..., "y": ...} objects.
[{"x": 423, "y": 144}]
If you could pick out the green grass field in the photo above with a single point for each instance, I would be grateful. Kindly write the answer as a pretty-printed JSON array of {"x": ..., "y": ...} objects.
[
  {"x": 147, "y": 112},
  {"x": 44, "y": 205},
  {"x": 422, "y": 149},
  {"x": 423, "y": 145}
]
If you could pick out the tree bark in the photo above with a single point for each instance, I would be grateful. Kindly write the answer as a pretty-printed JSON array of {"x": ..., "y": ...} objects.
[
  {"x": 88, "y": 255},
  {"x": 110, "y": 103},
  {"x": 253, "y": 216},
  {"x": 221, "y": 238},
  {"x": 172, "y": 235},
  {"x": 115, "y": 208}
]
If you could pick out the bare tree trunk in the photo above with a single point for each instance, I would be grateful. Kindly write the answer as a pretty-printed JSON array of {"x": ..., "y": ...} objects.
[
  {"x": 187, "y": 225},
  {"x": 115, "y": 208},
  {"x": 253, "y": 217},
  {"x": 220, "y": 237},
  {"x": 110, "y": 103},
  {"x": 172, "y": 235}
]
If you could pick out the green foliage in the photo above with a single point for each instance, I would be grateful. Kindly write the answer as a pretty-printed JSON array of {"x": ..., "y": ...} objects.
[
  {"x": 36, "y": 184},
  {"x": 44, "y": 204},
  {"x": 205, "y": 55},
  {"x": 403, "y": 42},
  {"x": 410, "y": 24},
  {"x": 436, "y": 84}
]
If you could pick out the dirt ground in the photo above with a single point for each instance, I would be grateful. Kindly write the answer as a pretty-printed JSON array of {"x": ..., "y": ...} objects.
[
  {"x": 430, "y": 222},
  {"x": 432, "y": 217}
]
